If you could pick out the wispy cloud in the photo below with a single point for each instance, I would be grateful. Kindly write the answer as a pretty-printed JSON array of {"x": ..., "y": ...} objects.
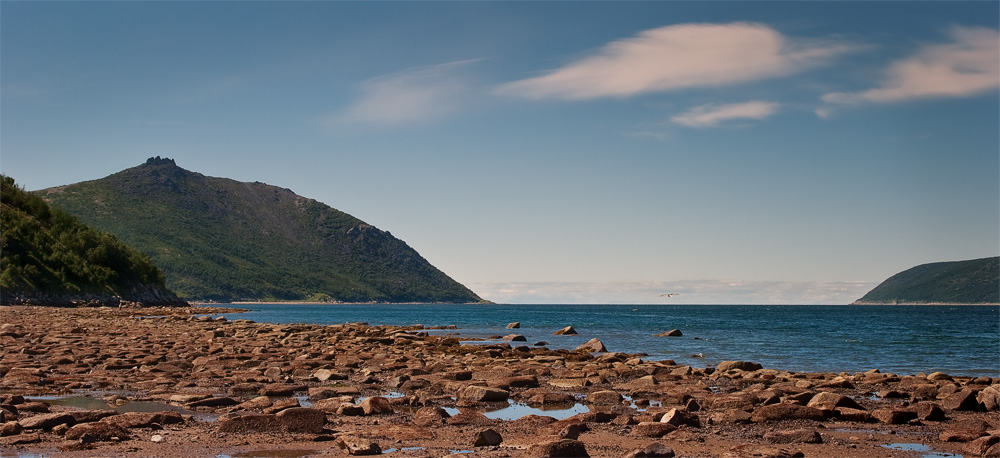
[
  {"x": 969, "y": 65},
  {"x": 712, "y": 115},
  {"x": 678, "y": 57},
  {"x": 686, "y": 292},
  {"x": 412, "y": 96}
]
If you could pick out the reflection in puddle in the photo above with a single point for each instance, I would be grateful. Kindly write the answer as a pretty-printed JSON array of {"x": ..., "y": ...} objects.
[
  {"x": 269, "y": 454},
  {"x": 89, "y": 403},
  {"x": 514, "y": 411},
  {"x": 903, "y": 447}
]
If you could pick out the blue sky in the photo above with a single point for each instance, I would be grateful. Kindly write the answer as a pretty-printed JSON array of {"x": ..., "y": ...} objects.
[{"x": 730, "y": 152}]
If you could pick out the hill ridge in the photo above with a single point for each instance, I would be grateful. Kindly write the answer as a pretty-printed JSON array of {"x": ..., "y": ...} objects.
[
  {"x": 218, "y": 239},
  {"x": 974, "y": 281}
]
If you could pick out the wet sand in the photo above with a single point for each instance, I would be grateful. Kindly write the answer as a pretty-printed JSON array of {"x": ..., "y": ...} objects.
[{"x": 136, "y": 382}]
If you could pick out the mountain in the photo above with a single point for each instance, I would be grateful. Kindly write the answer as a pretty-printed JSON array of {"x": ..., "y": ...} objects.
[
  {"x": 224, "y": 240},
  {"x": 975, "y": 281},
  {"x": 47, "y": 257}
]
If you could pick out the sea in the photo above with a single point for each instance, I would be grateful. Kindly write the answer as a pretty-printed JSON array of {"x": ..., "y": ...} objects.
[{"x": 904, "y": 340}]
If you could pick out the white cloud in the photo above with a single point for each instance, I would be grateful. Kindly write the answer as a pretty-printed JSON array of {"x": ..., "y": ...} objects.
[
  {"x": 967, "y": 66},
  {"x": 413, "y": 96},
  {"x": 712, "y": 115},
  {"x": 678, "y": 57},
  {"x": 686, "y": 292}
]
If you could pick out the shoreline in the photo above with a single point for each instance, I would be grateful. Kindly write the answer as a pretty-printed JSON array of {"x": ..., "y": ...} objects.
[{"x": 297, "y": 387}]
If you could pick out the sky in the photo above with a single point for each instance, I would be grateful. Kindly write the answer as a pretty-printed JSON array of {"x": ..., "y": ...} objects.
[{"x": 551, "y": 152}]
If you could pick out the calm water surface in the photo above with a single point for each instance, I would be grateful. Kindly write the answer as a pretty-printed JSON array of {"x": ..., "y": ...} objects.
[{"x": 959, "y": 340}]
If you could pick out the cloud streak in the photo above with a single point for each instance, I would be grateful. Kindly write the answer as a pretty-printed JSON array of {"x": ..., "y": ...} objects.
[
  {"x": 412, "y": 96},
  {"x": 679, "y": 57},
  {"x": 713, "y": 115},
  {"x": 687, "y": 292},
  {"x": 967, "y": 66}
]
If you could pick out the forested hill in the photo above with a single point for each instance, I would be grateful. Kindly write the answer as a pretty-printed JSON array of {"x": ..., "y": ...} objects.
[
  {"x": 975, "y": 281},
  {"x": 47, "y": 257},
  {"x": 224, "y": 240}
]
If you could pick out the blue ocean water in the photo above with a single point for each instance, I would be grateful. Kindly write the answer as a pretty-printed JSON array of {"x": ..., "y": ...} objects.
[{"x": 958, "y": 340}]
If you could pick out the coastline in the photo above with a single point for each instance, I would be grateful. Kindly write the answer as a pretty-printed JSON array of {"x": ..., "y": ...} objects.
[{"x": 297, "y": 387}]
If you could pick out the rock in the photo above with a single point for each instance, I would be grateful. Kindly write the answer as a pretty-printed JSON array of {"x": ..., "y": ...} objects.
[
  {"x": 652, "y": 429},
  {"x": 376, "y": 405},
  {"x": 514, "y": 325},
  {"x": 97, "y": 432},
  {"x": 282, "y": 390},
  {"x": 357, "y": 446},
  {"x": 476, "y": 393},
  {"x": 559, "y": 448},
  {"x": 832, "y": 401},
  {"x": 965, "y": 431},
  {"x": 848, "y": 414},
  {"x": 605, "y": 397},
  {"x": 157, "y": 438},
  {"x": 332, "y": 404},
  {"x": 302, "y": 420},
  {"x": 222, "y": 401},
  {"x": 760, "y": 451},
  {"x": 670, "y": 333},
  {"x": 248, "y": 423},
  {"x": 679, "y": 417},
  {"x": 487, "y": 438},
  {"x": 593, "y": 345},
  {"x": 514, "y": 338},
  {"x": 929, "y": 411},
  {"x": 782, "y": 412},
  {"x": 894, "y": 416},
  {"x": 990, "y": 398},
  {"x": 10, "y": 428},
  {"x": 129, "y": 420},
  {"x": 324, "y": 375},
  {"x": 89, "y": 416},
  {"x": 794, "y": 436},
  {"x": 567, "y": 331},
  {"x": 964, "y": 400},
  {"x": 738, "y": 365},
  {"x": 46, "y": 421},
  {"x": 983, "y": 445},
  {"x": 350, "y": 410},
  {"x": 427, "y": 416},
  {"x": 654, "y": 450}
]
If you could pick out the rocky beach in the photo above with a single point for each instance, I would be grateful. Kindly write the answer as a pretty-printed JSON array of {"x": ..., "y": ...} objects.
[{"x": 179, "y": 382}]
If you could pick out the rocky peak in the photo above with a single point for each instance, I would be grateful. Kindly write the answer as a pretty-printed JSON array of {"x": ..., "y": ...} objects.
[{"x": 160, "y": 161}]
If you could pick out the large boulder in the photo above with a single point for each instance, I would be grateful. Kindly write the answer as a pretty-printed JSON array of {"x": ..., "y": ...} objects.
[
  {"x": 604, "y": 397},
  {"x": 783, "y": 412},
  {"x": 964, "y": 400},
  {"x": 47, "y": 421},
  {"x": 567, "y": 331},
  {"x": 476, "y": 393},
  {"x": 990, "y": 398},
  {"x": 302, "y": 420},
  {"x": 357, "y": 446},
  {"x": 427, "y": 416},
  {"x": 558, "y": 448},
  {"x": 249, "y": 423},
  {"x": 593, "y": 345},
  {"x": 738, "y": 365},
  {"x": 376, "y": 405},
  {"x": 96, "y": 432},
  {"x": 832, "y": 401},
  {"x": 654, "y": 450}
]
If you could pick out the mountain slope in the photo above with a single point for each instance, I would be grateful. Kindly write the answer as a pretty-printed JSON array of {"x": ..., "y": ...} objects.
[
  {"x": 47, "y": 257},
  {"x": 224, "y": 240},
  {"x": 975, "y": 281}
]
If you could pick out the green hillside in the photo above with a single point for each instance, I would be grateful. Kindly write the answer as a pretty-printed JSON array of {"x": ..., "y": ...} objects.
[
  {"x": 224, "y": 240},
  {"x": 961, "y": 282},
  {"x": 47, "y": 257}
]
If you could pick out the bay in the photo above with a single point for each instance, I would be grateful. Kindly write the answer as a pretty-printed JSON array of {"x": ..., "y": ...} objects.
[{"x": 958, "y": 340}]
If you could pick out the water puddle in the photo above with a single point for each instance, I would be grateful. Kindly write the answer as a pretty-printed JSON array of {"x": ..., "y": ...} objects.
[
  {"x": 89, "y": 403},
  {"x": 404, "y": 449},
  {"x": 269, "y": 454},
  {"x": 515, "y": 410},
  {"x": 920, "y": 448}
]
